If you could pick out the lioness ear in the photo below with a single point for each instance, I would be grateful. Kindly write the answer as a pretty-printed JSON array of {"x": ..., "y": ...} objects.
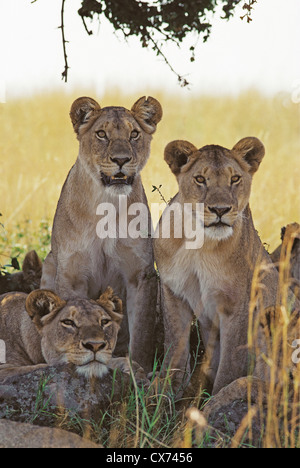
[
  {"x": 177, "y": 154},
  {"x": 82, "y": 110},
  {"x": 148, "y": 113},
  {"x": 32, "y": 265},
  {"x": 112, "y": 304},
  {"x": 250, "y": 150},
  {"x": 41, "y": 303}
]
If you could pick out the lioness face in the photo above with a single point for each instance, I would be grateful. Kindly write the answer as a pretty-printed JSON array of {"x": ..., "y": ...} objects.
[
  {"x": 115, "y": 142},
  {"x": 80, "y": 332},
  {"x": 217, "y": 177}
]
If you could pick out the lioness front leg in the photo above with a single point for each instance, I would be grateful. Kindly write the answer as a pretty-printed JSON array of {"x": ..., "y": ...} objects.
[
  {"x": 233, "y": 350},
  {"x": 141, "y": 309},
  {"x": 49, "y": 273},
  {"x": 66, "y": 275},
  {"x": 128, "y": 367},
  {"x": 178, "y": 317},
  {"x": 9, "y": 370},
  {"x": 72, "y": 277}
]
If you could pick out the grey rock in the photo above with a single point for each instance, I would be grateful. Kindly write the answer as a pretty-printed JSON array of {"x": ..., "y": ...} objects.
[
  {"x": 20, "y": 435},
  {"x": 42, "y": 396}
]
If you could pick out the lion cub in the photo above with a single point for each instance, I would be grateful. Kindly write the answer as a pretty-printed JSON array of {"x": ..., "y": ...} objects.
[
  {"x": 41, "y": 329},
  {"x": 214, "y": 282},
  {"x": 114, "y": 146}
]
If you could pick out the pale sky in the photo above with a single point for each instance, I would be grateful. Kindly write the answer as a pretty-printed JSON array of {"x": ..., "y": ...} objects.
[{"x": 264, "y": 54}]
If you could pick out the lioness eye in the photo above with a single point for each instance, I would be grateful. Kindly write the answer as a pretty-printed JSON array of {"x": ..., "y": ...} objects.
[
  {"x": 68, "y": 323},
  {"x": 200, "y": 180},
  {"x": 134, "y": 135},
  {"x": 235, "y": 179},
  {"x": 105, "y": 322},
  {"x": 101, "y": 135}
]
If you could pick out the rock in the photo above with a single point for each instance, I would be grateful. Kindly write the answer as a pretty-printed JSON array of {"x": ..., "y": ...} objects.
[
  {"x": 45, "y": 395},
  {"x": 20, "y": 435},
  {"x": 228, "y": 418}
]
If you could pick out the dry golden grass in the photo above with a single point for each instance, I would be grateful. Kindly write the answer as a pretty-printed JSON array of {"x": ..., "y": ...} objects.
[{"x": 38, "y": 147}]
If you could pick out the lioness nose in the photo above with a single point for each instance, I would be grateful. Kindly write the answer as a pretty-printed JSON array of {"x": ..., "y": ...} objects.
[
  {"x": 121, "y": 161},
  {"x": 94, "y": 345},
  {"x": 219, "y": 210}
]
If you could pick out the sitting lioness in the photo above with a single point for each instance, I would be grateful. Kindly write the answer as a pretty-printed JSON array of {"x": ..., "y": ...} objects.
[
  {"x": 214, "y": 282},
  {"x": 114, "y": 148},
  {"x": 41, "y": 329}
]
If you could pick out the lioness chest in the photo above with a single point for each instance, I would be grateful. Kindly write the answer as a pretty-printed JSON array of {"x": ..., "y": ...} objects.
[
  {"x": 103, "y": 268},
  {"x": 204, "y": 281}
]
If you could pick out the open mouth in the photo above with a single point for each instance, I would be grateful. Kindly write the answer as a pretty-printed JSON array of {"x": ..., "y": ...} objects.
[{"x": 118, "y": 179}]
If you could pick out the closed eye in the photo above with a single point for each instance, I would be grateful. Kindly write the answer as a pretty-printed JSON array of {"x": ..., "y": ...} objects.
[
  {"x": 68, "y": 323},
  {"x": 105, "y": 322},
  {"x": 135, "y": 135},
  {"x": 235, "y": 179}
]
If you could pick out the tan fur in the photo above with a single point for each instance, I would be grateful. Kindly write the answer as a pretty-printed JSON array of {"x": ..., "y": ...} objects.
[
  {"x": 112, "y": 140},
  {"x": 26, "y": 280},
  {"x": 214, "y": 282},
  {"x": 290, "y": 236},
  {"x": 41, "y": 330}
]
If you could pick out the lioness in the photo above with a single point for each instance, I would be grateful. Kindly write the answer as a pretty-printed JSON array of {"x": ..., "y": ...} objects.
[
  {"x": 41, "y": 329},
  {"x": 214, "y": 282},
  {"x": 290, "y": 246},
  {"x": 114, "y": 148},
  {"x": 26, "y": 280}
]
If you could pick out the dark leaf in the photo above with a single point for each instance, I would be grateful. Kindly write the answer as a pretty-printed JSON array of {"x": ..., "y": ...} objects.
[{"x": 15, "y": 264}]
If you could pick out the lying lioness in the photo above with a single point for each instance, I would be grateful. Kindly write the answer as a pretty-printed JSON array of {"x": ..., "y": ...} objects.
[
  {"x": 26, "y": 280},
  {"x": 41, "y": 330}
]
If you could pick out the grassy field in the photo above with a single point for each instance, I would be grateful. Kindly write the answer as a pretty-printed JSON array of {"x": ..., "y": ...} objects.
[{"x": 37, "y": 149}]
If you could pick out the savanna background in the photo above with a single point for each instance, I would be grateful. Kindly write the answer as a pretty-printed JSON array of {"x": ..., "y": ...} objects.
[
  {"x": 38, "y": 147},
  {"x": 245, "y": 81}
]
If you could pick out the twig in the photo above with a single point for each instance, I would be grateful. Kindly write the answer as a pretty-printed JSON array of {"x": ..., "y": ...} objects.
[
  {"x": 157, "y": 189},
  {"x": 249, "y": 7},
  {"x": 89, "y": 32},
  {"x": 62, "y": 27},
  {"x": 181, "y": 80}
]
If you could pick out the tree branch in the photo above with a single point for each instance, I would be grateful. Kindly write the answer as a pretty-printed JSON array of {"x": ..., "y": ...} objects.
[
  {"x": 181, "y": 80},
  {"x": 64, "y": 42},
  {"x": 172, "y": 19}
]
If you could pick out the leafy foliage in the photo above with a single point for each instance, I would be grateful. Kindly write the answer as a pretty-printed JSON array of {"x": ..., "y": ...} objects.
[{"x": 155, "y": 22}]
